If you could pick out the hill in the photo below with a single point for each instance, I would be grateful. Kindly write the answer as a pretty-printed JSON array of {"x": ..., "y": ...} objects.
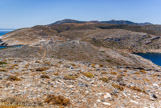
[
  {"x": 123, "y": 22},
  {"x": 80, "y": 65},
  {"x": 117, "y": 38}
]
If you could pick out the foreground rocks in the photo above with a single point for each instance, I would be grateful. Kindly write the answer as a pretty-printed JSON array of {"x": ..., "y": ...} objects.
[{"x": 49, "y": 82}]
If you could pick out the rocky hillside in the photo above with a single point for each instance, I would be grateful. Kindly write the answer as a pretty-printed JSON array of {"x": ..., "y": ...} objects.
[
  {"x": 79, "y": 51},
  {"x": 83, "y": 42},
  {"x": 55, "y": 83},
  {"x": 80, "y": 65}
]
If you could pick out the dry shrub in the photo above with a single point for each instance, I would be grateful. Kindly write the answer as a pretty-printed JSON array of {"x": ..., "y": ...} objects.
[
  {"x": 18, "y": 102},
  {"x": 73, "y": 64},
  {"x": 125, "y": 70},
  {"x": 13, "y": 78},
  {"x": 45, "y": 76},
  {"x": 103, "y": 72},
  {"x": 88, "y": 74},
  {"x": 71, "y": 77},
  {"x": 104, "y": 79},
  {"x": 143, "y": 71},
  {"x": 56, "y": 74},
  {"x": 47, "y": 63},
  {"x": 15, "y": 65},
  {"x": 9, "y": 106},
  {"x": 101, "y": 65},
  {"x": 137, "y": 89},
  {"x": 146, "y": 80},
  {"x": 3, "y": 70},
  {"x": 137, "y": 72},
  {"x": 118, "y": 87},
  {"x": 57, "y": 100},
  {"x": 114, "y": 73},
  {"x": 42, "y": 69},
  {"x": 93, "y": 65}
]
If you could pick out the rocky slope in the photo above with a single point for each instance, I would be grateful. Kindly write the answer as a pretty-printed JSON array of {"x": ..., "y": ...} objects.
[
  {"x": 79, "y": 51},
  {"x": 84, "y": 42},
  {"x": 55, "y": 83},
  {"x": 80, "y": 65}
]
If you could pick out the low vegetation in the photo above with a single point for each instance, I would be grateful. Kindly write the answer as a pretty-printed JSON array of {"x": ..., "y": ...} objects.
[
  {"x": 71, "y": 77},
  {"x": 42, "y": 69},
  {"x": 137, "y": 89},
  {"x": 88, "y": 74},
  {"x": 13, "y": 78},
  {"x": 57, "y": 100},
  {"x": 113, "y": 73},
  {"x": 2, "y": 63},
  {"x": 118, "y": 87},
  {"x": 104, "y": 79},
  {"x": 45, "y": 76}
]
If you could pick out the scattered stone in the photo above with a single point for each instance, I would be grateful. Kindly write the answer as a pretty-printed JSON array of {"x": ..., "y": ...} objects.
[
  {"x": 106, "y": 103},
  {"x": 107, "y": 95}
]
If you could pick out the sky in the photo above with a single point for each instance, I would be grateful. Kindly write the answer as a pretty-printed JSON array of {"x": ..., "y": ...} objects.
[{"x": 28, "y": 13}]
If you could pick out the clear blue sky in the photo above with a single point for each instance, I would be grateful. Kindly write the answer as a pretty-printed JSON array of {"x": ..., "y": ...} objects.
[{"x": 27, "y": 13}]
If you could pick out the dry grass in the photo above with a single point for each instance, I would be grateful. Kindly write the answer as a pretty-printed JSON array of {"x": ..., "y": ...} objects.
[
  {"x": 71, "y": 77},
  {"x": 47, "y": 63},
  {"x": 3, "y": 70},
  {"x": 93, "y": 65},
  {"x": 9, "y": 106},
  {"x": 113, "y": 73},
  {"x": 118, "y": 87},
  {"x": 146, "y": 80},
  {"x": 56, "y": 74},
  {"x": 45, "y": 76},
  {"x": 57, "y": 100},
  {"x": 137, "y": 89},
  {"x": 73, "y": 64},
  {"x": 13, "y": 78},
  {"x": 88, "y": 74},
  {"x": 125, "y": 70},
  {"x": 103, "y": 72},
  {"x": 15, "y": 65},
  {"x": 143, "y": 71},
  {"x": 137, "y": 72},
  {"x": 42, "y": 69},
  {"x": 104, "y": 79}
]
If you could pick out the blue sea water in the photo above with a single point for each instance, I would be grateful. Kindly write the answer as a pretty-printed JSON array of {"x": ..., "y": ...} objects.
[
  {"x": 3, "y": 32},
  {"x": 154, "y": 57}
]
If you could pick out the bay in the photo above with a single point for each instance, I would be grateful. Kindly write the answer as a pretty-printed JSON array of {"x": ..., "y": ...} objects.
[{"x": 154, "y": 57}]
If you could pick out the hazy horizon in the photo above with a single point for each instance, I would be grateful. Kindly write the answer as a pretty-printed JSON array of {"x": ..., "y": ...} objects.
[{"x": 28, "y": 13}]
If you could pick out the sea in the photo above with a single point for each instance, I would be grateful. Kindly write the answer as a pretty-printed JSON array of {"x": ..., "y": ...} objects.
[
  {"x": 154, "y": 57},
  {"x": 4, "y": 32}
]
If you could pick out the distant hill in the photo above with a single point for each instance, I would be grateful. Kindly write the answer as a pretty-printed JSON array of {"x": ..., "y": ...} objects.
[
  {"x": 68, "y": 21},
  {"x": 124, "y": 22}
]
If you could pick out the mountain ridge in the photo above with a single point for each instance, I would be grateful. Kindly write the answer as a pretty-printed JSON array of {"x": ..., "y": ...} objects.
[{"x": 124, "y": 22}]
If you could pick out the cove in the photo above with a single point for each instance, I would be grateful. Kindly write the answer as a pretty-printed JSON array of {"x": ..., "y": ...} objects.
[
  {"x": 2, "y": 47},
  {"x": 154, "y": 57}
]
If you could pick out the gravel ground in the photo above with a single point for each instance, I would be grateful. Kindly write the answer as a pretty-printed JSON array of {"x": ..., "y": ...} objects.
[{"x": 54, "y": 83}]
